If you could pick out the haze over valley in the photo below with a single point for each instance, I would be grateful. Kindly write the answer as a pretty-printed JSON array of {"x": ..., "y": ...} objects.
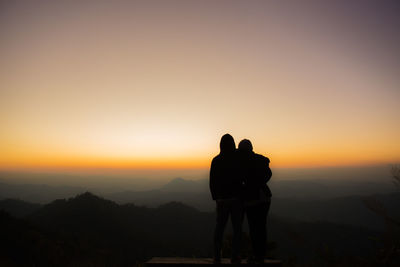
[{"x": 330, "y": 194}]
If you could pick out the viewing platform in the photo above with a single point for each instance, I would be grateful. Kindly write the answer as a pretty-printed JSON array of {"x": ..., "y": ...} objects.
[{"x": 197, "y": 262}]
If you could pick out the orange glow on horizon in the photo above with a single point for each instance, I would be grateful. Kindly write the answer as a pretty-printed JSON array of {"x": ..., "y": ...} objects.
[
  {"x": 93, "y": 163},
  {"x": 134, "y": 85}
]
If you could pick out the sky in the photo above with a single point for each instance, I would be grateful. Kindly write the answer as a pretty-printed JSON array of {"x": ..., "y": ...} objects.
[{"x": 155, "y": 84}]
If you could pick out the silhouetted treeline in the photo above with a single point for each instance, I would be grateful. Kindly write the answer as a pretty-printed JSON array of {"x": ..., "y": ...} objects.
[
  {"x": 91, "y": 231},
  {"x": 87, "y": 227}
]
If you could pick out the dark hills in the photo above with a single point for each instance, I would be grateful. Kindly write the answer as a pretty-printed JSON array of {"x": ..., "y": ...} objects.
[
  {"x": 90, "y": 230},
  {"x": 18, "y": 208},
  {"x": 37, "y": 193},
  {"x": 350, "y": 210},
  {"x": 289, "y": 201},
  {"x": 309, "y": 200}
]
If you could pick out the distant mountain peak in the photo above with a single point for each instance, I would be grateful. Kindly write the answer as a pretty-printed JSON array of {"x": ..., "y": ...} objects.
[
  {"x": 86, "y": 195},
  {"x": 89, "y": 198}
]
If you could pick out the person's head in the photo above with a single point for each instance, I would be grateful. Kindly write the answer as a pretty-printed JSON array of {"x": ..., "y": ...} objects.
[
  {"x": 245, "y": 146},
  {"x": 227, "y": 144}
]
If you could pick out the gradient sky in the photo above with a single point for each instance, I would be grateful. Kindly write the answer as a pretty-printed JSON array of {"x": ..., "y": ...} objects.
[{"x": 155, "y": 84}]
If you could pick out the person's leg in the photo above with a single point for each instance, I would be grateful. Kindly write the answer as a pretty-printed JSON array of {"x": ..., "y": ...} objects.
[
  {"x": 237, "y": 221},
  {"x": 251, "y": 213},
  {"x": 222, "y": 218},
  {"x": 261, "y": 228},
  {"x": 266, "y": 211}
]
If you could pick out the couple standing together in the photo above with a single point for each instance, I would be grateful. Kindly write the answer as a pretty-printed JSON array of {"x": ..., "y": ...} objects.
[{"x": 238, "y": 184}]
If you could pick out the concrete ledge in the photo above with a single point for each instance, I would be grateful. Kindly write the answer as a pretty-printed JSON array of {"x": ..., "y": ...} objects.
[{"x": 196, "y": 262}]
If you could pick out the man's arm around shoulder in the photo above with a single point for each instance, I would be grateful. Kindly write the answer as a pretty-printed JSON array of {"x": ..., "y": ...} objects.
[{"x": 265, "y": 165}]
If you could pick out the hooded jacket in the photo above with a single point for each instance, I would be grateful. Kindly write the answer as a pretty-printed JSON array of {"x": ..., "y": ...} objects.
[{"x": 225, "y": 180}]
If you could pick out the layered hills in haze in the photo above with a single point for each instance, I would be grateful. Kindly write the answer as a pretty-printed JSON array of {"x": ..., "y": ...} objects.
[{"x": 91, "y": 230}]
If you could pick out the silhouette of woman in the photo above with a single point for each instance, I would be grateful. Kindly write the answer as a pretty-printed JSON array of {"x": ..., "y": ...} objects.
[{"x": 256, "y": 195}]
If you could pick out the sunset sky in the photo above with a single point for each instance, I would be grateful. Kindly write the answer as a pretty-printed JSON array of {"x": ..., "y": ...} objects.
[{"x": 155, "y": 84}]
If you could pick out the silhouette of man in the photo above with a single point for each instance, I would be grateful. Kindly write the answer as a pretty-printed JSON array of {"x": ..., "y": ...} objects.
[
  {"x": 225, "y": 187},
  {"x": 257, "y": 196}
]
